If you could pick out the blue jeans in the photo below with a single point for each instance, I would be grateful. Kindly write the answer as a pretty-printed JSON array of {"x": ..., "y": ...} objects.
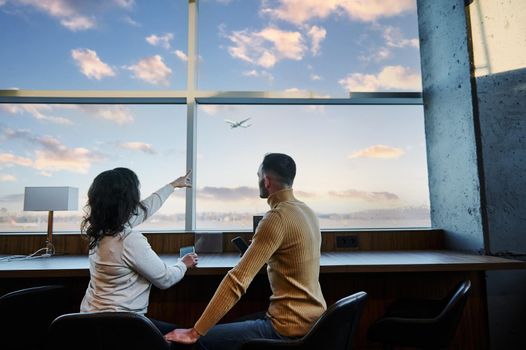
[{"x": 230, "y": 336}]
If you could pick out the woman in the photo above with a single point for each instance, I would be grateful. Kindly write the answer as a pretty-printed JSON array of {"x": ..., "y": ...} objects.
[{"x": 123, "y": 266}]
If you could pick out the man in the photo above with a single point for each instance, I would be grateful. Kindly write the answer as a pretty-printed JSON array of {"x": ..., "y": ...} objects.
[{"x": 288, "y": 240}]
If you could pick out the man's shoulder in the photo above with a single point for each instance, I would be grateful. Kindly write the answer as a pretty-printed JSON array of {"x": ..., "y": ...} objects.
[{"x": 292, "y": 206}]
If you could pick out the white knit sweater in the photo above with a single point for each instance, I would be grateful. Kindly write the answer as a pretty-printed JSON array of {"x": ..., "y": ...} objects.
[{"x": 123, "y": 267}]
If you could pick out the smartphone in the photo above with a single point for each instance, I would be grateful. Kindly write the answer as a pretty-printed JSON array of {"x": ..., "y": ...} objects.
[
  {"x": 185, "y": 250},
  {"x": 240, "y": 244}
]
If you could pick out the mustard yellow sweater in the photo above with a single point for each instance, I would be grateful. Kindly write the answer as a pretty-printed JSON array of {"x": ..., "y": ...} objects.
[{"x": 288, "y": 240}]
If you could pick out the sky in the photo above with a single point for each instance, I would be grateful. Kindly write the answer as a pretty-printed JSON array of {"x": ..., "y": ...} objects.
[{"x": 366, "y": 160}]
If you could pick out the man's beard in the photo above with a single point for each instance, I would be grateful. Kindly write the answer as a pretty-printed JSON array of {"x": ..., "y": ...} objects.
[{"x": 263, "y": 193}]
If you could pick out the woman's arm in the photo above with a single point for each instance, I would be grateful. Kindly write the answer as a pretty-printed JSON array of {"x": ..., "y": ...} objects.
[
  {"x": 154, "y": 202},
  {"x": 139, "y": 255}
]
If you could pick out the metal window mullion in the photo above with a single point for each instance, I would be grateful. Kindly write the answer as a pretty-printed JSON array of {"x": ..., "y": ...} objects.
[{"x": 191, "y": 114}]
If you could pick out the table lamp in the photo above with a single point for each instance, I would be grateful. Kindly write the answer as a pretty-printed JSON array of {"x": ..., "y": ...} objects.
[{"x": 50, "y": 199}]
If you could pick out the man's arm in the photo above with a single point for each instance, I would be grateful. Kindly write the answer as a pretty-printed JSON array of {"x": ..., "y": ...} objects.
[{"x": 266, "y": 241}]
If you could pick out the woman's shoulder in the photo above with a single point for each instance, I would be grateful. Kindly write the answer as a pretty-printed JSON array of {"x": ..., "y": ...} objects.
[{"x": 132, "y": 238}]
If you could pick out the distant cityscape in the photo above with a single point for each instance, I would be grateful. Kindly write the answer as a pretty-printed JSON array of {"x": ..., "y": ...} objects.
[{"x": 374, "y": 218}]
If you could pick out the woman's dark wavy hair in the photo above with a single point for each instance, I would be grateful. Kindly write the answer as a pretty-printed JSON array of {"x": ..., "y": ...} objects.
[{"x": 113, "y": 197}]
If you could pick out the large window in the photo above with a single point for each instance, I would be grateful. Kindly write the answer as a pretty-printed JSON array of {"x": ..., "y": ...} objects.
[
  {"x": 68, "y": 145},
  {"x": 157, "y": 86},
  {"x": 358, "y": 166}
]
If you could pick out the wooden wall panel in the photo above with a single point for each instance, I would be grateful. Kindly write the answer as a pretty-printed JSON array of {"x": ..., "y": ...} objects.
[{"x": 169, "y": 243}]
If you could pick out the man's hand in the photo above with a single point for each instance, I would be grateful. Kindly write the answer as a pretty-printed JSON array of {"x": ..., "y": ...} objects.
[{"x": 184, "y": 336}]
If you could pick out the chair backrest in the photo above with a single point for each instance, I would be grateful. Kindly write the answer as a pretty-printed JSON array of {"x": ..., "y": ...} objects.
[
  {"x": 105, "y": 331},
  {"x": 448, "y": 319},
  {"x": 27, "y": 313},
  {"x": 335, "y": 328}
]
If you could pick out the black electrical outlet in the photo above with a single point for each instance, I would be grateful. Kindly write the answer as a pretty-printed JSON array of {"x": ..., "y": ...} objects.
[{"x": 346, "y": 241}]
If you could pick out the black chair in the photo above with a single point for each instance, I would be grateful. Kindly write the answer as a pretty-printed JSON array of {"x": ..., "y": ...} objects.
[
  {"x": 334, "y": 330},
  {"x": 105, "y": 331},
  {"x": 27, "y": 313},
  {"x": 421, "y": 323}
]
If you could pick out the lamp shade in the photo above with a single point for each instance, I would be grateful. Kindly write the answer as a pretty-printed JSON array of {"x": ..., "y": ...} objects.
[{"x": 51, "y": 198}]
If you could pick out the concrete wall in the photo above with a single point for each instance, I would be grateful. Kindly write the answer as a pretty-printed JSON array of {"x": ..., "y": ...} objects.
[
  {"x": 476, "y": 139},
  {"x": 450, "y": 132},
  {"x": 502, "y": 110},
  {"x": 499, "y": 54},
  {"x": 502, "y": 106},
  {"x": 497, "y": 29}
]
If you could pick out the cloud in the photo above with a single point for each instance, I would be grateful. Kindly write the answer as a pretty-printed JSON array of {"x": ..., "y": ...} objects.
[
  {"x": 7, "y": 177},
  {"x": 301, "y": 11},
  {"x": 306, "y": 93},
  {"x": 162, "y": 41},
  {"x": 117, "y": 114},
  {"x": 37, "y": 111},
  {"x": 266, "y": 47},
  {"x": 52, "y": 154},
  {"x": 60, "y": 157},
  {"x": 11, "y": 159},
  {"x": 125, "y": 3},
  {"x": 316, "y": 35},
  {"x": 78, "y": 23},
  {"x": 138, "y": 146},
  {"x": 12, "y": 198},
  {"x": 381, "y": 54},
  {"x": 68, "y": 12},
  {"x": 394, "y": 38},
  {"x": 90, "y": 64},
  {"x": 228, "y": 193},
  {"x": 378, "y": 151},
  {"x": 152, "y": 70},
  {"x": 73, "y": 14},
  {"x": 213, "y": 109},
  {"x": 304, "y": 194},
  {"x": 131, "y": 21},
  {"x": 2, "y": 2},
  {"x": 390, "y": 78},
  {"x": 314, "y": 77},
  {"x": 251, "y": 73},
  {"x": 181, "y": 55},
  {"x": 209, "y": 109},
  {"x": 364, "y": 195},
  {"x": 259, "y": 74}
]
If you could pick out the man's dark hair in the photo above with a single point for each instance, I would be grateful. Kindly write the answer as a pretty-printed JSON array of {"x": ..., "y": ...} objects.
[{"x": 280, "y": 165}]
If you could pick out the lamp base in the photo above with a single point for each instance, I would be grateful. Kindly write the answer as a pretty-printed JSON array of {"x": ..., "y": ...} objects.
[{"x": 50, "y": 248}]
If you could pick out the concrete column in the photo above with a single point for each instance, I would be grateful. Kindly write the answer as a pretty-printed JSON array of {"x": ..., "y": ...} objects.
[{"x": 449, "y": 124}]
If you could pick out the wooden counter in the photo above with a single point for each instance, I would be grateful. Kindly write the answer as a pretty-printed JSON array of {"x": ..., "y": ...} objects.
[
  {"x": 331, "y": 262},
  {"x": 384, "y": 275}
]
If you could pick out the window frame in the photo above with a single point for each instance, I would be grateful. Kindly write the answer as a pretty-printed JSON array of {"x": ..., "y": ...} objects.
[{"x": 192, "y": 97}]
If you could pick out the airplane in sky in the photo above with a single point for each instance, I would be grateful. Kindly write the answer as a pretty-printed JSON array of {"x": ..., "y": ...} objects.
[{"x": 237, "y": 124}]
